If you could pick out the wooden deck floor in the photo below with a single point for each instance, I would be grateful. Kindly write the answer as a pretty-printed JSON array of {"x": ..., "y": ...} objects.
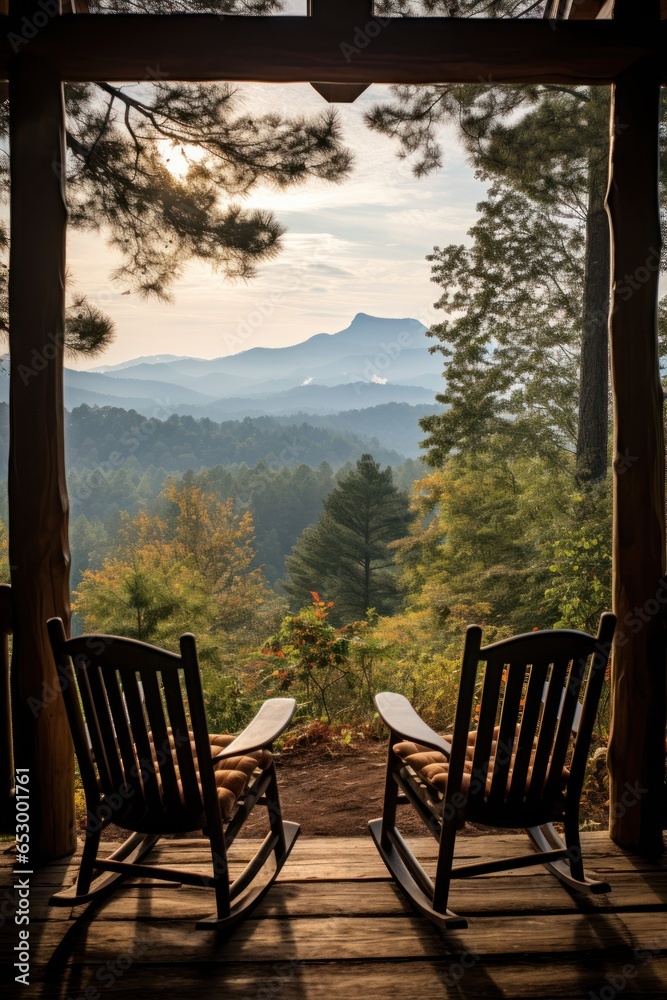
[{"x": 335, "y": 926}]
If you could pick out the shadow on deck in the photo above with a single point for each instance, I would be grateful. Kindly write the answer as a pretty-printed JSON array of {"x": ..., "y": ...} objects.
[{"x": 334, "y": 925}]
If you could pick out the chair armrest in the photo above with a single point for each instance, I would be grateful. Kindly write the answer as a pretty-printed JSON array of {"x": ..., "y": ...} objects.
[
  {"x": 397, "y": 713},
  {"x": 272, "y": 719}
]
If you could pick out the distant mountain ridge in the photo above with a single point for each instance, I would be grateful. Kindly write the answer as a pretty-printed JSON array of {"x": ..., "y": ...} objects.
[
  {"x": 382, "y": 338},
  {"x": 370, "y": 351},
  {"x": 372, "y": 362}
]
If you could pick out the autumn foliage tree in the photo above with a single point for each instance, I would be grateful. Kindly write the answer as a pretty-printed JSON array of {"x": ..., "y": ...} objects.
[
  {"x": 187, "y": 571},
  {"x": 328, "y": 667}
]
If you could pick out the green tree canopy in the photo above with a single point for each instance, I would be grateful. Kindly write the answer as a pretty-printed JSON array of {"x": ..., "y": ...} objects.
[
  {"x": 346, "y": 554},
  {"x": 511, "y": 340},
  {"x": 544, "y": 151}
]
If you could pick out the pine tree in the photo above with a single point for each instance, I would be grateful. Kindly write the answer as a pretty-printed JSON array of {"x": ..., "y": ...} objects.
[
  {"x": 512, "y": 342},
  {"x": 549, "y": 145},
  {"x": 121, "y": 141},
  {"x": 346, "y": 554}
]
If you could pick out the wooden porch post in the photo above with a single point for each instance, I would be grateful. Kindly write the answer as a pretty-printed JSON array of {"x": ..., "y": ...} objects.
[
  {"x": 38, "y": 505},
  {"x": 637, "y": 744}
]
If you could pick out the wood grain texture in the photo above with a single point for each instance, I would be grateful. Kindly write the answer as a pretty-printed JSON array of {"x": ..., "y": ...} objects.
[
  {"x": 637, "y": 749},
  {"x": 38, "y": 504},
  {"x": 348, "y": 938},
  {"x": 287, "y": 49},
  {"x": 410, "y": 980},
  {"x": 313, "y": 938}
]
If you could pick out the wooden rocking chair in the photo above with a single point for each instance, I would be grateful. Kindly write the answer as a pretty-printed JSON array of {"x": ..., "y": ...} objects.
[
  {"x": 522, "y": 766},
  {"x": 148, "y": 765}
]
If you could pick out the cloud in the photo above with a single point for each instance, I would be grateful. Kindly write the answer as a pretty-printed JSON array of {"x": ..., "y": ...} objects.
[{"x": 355, "y": 247}]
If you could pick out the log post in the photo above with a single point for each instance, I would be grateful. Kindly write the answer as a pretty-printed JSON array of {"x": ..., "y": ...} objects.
[
  {"x": 637, "y": 742},
  {"x": 38, "y": 505}
]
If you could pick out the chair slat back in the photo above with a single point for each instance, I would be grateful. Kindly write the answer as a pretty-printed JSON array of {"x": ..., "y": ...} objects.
[
  {"x": 564, "y": 742},
  {"x": 100, "y": 732},
  {"x": 145, "y": 751},
  {"x": 488, "y": 713},
  {"x": 133, "y": 726},
  {"x": 179, "y": 726},
  {"x": 158, "y": 724},
  {"x": 530, "y": 720},
  {"x": 551, "y": 705},
  {"x": 512, "y": 681},
  {"x": 539, "y": 697}
]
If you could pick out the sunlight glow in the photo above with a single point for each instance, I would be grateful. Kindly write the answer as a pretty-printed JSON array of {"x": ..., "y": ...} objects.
[{"x": 177, "y": 157}]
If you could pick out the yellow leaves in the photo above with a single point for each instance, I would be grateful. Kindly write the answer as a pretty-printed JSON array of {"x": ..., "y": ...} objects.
[{"x": 198, "y": 559}]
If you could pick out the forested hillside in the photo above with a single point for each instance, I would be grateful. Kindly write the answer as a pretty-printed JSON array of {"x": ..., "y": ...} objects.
[
  {"x": 106, "y": 437},
  {"x": 283, "y": 501}
]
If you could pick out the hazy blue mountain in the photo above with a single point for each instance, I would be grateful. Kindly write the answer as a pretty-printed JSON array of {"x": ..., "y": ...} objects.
[
  {"x": 148, "y": 358},
  {"x": 132, "y": 387},
  {"x": 392, "y": 425},
  {"x": 312, "y": 399},
  {"x": 372, "y": 362},
  {"x": 370, "y": 348}
]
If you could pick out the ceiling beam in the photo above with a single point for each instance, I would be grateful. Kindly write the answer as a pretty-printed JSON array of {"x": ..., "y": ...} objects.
[{"x": 119, "y": 47}]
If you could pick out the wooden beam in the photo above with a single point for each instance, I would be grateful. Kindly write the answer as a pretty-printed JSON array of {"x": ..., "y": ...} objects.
[
  {"x": 38, "y": 506},
  {"x": 637, "y": 744},
  {"x": 119, "y": 47}
]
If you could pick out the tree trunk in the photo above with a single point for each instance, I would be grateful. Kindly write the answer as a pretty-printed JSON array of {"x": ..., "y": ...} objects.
[
  {"x": 38, "y": 506},
  {"x": 594, "y": 373}
]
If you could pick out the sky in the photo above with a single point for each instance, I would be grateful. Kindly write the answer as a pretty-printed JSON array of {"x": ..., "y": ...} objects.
[{"x": 355, "y": 247}]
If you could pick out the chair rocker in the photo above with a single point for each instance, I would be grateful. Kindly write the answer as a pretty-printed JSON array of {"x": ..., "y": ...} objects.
[
  {"x": 148, "y": 765},
  {"x": 521, "y": 766}
]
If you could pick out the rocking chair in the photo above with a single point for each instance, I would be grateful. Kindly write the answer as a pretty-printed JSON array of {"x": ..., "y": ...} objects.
[
  {"x": 521, "y": 766},
  {"x": 149, "y": 765}
]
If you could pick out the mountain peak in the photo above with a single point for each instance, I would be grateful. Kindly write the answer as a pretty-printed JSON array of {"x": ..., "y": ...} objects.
[{"x": 365, "y": 318}]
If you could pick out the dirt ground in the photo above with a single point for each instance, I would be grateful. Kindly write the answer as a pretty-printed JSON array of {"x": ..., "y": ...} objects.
[
  {"x": 335, "y": 793},
  {"x": 334, "y": 790}
]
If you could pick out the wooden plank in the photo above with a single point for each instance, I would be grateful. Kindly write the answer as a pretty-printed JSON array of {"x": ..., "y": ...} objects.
[
  {"x": 38, "y": 505},
  {"x": 339, "y": 939},
  {"x": 595, "y": 843},
  {"x": 327, "y": 858},
  {"x": 409, "y": 980},
  {"x": 286, "y": 49},
  {"x": 504, "y": 896},
  {"x": 347, "y": 870},
  {"x": 638, "y": 693},
  {"x": 507, "y": 894}
]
